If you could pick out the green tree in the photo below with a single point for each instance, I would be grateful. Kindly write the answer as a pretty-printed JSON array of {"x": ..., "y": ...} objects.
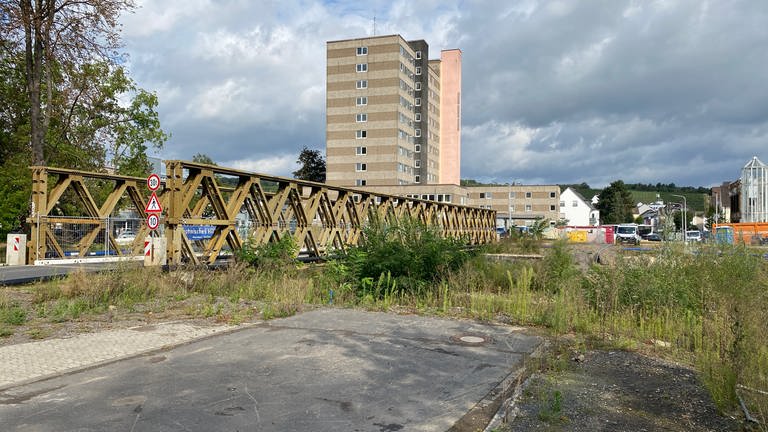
[
  {"x": 615, "y": 204},
  {"x": 538, "y": 228},
  {"x": 91, "y": 128},
  {"x": 203, "y": 159},
  {"x": 677, "y": 217},
  {"x": 312, "y": 166},
  {"x": 65, "y": 99},
  {"x": 56, "y": 38}
]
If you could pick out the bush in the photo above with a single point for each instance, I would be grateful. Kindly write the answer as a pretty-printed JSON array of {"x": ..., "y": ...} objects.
[
  {"x": 557, "y": 269},
  {"x": 411, "y": 254},
  {"x": 273, "y": 255}
]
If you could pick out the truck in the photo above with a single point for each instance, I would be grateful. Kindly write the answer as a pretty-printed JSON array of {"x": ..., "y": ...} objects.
[{"x": 627, "y": 233}]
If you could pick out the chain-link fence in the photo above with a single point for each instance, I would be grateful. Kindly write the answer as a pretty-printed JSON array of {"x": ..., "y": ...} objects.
[{"x": 89, "y": 237}]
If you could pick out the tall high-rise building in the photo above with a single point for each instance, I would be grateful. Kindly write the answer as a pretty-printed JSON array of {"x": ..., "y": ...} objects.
[{"x": 385, "y": 113}]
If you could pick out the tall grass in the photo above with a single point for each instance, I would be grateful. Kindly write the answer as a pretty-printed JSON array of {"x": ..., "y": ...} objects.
[{"x": 705, "y": 308}]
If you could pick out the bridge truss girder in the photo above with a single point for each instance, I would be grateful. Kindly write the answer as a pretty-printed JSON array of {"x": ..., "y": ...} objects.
[{"x": 319, "y": 217}]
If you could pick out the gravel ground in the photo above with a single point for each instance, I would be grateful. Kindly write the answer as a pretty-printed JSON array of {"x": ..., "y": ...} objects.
[{"x": 616, "y": 391}]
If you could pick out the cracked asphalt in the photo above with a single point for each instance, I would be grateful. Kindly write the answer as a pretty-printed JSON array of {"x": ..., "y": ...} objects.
[{"x": 324, "y": 370}]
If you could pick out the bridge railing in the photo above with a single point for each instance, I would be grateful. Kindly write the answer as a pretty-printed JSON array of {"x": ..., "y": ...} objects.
[{"x": 210, "y": 210}]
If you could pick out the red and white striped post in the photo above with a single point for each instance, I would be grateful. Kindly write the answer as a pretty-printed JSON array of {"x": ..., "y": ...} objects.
[
  {"x": 16, "y": 249},
  {"x": 147, "y": 251}
]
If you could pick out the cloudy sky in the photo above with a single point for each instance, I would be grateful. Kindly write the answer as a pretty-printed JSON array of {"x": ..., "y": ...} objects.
[{"x": 553, "y": 91}]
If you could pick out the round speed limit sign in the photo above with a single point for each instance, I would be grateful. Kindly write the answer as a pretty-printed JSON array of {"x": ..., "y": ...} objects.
[
  {"x": 153, "y": 182},
  {"x": 153, "y": 221}
]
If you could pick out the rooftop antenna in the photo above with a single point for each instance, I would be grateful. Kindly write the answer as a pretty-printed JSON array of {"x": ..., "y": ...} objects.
[{"x": 374, "y": 25}]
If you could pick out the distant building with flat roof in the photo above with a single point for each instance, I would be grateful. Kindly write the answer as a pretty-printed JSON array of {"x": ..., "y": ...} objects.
[{"x": 393, "y": 117}]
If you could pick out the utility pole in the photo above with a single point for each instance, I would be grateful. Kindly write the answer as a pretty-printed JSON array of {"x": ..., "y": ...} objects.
[{"x": 685, "y": 222}]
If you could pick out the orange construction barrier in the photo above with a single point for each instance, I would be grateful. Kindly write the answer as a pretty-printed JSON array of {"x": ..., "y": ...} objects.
[{"x": 751, "y": 233}]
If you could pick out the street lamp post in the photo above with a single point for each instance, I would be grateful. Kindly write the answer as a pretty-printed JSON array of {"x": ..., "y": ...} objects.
[{"x": 685, "y": 222}]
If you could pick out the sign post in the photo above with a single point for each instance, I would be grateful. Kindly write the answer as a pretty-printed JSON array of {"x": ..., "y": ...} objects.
[
  {"x": 153, "y": 221},
  {"x": 153, "y": 205},
  {"x": 153, "y": 210},
  {"x": 153, "y": 182}
]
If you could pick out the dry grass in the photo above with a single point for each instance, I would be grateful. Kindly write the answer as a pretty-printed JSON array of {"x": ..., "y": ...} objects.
[{"x": 705, "y": 309}]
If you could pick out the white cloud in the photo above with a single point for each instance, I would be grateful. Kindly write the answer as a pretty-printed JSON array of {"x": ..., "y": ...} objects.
[
  {"x": 160, "y": 16},
  {"x": 554, "y": 91},
  {"x": 281, "y": 166},
  {"x": 506, "y": 146},
  {"x": 580, "y": 62}
]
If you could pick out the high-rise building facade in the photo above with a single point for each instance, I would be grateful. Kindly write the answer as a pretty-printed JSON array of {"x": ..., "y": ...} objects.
[{"x": 384, "y": 113}]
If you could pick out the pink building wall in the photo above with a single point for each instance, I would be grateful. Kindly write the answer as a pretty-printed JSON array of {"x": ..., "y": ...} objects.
[{"x": 450, "y": 117}]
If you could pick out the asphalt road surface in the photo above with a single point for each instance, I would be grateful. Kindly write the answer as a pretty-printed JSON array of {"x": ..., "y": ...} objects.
[{"x": 325, "y": 370}]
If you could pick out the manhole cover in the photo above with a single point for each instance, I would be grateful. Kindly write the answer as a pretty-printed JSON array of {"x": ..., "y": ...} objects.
[{"x": 470, "y": 339}]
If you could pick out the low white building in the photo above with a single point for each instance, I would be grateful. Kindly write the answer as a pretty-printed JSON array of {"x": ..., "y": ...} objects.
[{"x": 576, "y": 210}]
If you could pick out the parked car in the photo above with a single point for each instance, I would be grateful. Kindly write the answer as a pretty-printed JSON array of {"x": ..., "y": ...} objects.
[
  {"x": 654, "y": 237},
  {"x": 502, "y": 232},
  {"x": 126, "y": 238}
]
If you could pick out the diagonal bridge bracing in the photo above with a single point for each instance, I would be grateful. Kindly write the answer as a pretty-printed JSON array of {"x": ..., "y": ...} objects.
[{"x": 233, "y": 207}]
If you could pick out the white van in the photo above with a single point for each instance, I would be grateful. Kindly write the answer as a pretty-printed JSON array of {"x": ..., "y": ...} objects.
[
  {"x": 627, "y": 233},
  {"x": 693, "y": 236}
]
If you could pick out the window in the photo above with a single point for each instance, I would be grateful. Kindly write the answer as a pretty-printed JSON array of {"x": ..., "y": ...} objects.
[
  {"x": 486, "y": 195},
  {"x": 418, "y": 163},
  {"x": 418, "y": 179},
  {"x": 562, "y": 203},
  {"x": 511, "y": 209},
  {"x": 362, "y": 84},
  {"x": 418, "y": 85},
  {"x": 361, "y": 134},
  {"x": 361, "y": 167},
  {"x": 417, "y": 148},
  {"x": 575, "y": 203},
  {"x": 361, "y": 151},
  {"x": 417, "y": 133},
  {"x": 552, "y": 208},
  {"x": 361, "y": 118},
  {"x": 360, "y": 182},
  {"x": 551, "y": 194},
  {"x": 418, "y": 55},
  {"x": 362, "y": 51},
  {"x": 417, "y": 117},
  {"x": 528, "y": 194},
  {"x": 511, "y": 195},
  {"x": 418, "y": 71},
  {"x": 528, "y": 207},
  {"x": 417, "y": 102},
  {"x": 362, "y": 100},
  {"x": 362, "y": 67}
]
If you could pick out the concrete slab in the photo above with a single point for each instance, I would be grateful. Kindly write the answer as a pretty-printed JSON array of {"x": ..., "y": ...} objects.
[
  {"x": 18, "y": 275},
  {"x": 33, "y": 361},
  {"x": 326, "y": 370}
]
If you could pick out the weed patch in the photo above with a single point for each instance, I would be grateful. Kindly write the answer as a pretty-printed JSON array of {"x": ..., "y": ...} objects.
[
  {"x": 13, "y": 315},
  {"x": 704, "y": 308}
]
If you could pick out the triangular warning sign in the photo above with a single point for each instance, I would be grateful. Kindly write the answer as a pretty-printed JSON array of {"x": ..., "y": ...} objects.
[{"x": 153, "y": 205}]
